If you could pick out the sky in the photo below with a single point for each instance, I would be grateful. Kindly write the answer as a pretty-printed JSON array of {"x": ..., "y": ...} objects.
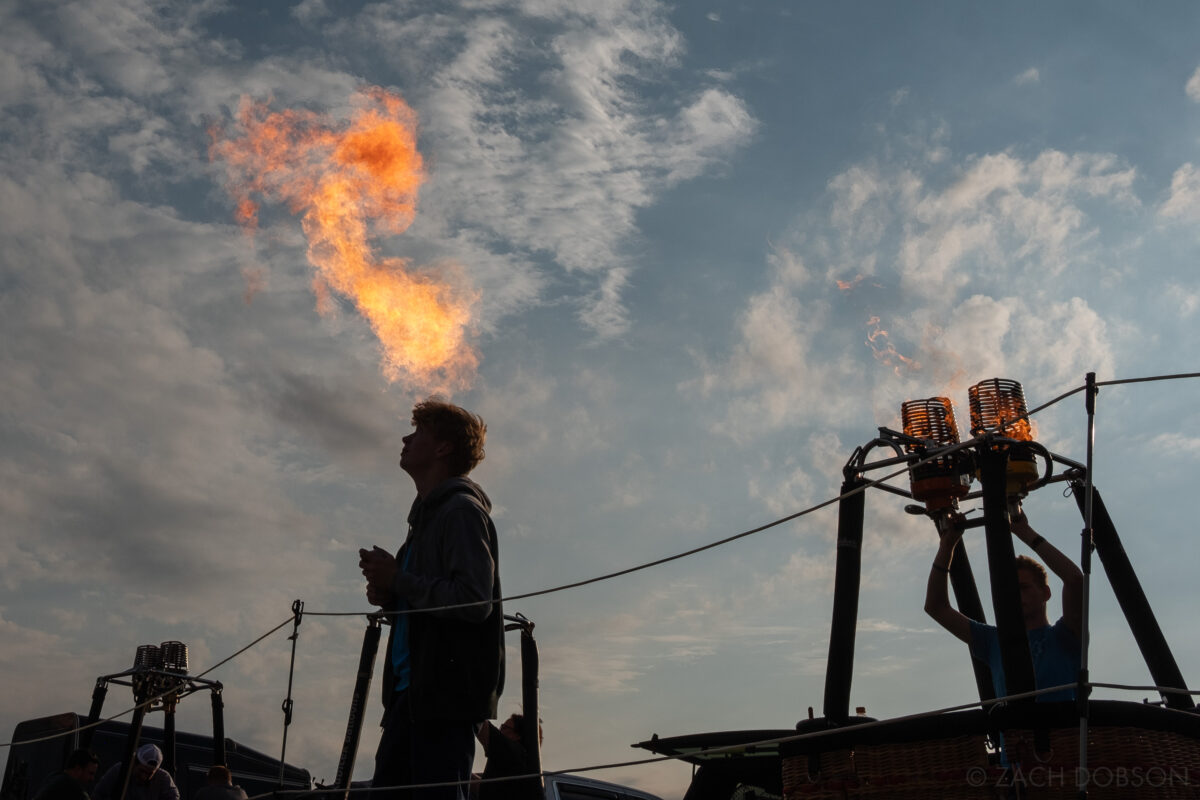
[{"x": 707, "y": 250}]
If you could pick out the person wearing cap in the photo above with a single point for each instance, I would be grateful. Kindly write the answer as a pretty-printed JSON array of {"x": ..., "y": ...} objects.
[
  {"x": 146, "y": 780},
  {"x": 73, "y": 782},
  {"x": 220, "y": 786}
]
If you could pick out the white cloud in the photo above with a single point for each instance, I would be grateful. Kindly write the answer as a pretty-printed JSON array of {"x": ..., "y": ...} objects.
[
  {"x": 311, "y": 11},
  {"x": 562, "y": 172},
  {"x": 1004, "y": 209},
  {"x": 1176, "y": 443},
  {"x": 1185, "y": 298},
  {"x": 957, "y": 281},
  {"x": 1184, "y": 202},
  {"x": 1193, "y": 86},
  {"x": 1029, "y": 76}
]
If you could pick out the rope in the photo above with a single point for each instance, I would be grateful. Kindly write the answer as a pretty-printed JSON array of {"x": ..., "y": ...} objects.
[
  {"x": 862, "y": 726},
  {"x": 752, "y": 531},
  {"x": 637, "y": 568}
]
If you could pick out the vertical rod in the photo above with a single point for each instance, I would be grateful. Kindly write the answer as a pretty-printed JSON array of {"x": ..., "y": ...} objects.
[
  {"x": 98, "y": 695},
  {"x": 1086, "y": 545},
  {"x": 531, "y": 735},
  {"x": 218, "y": 725},
  {"x": 358, "y": 704},
  {"x": 966, "y": 597},
  {"x": 1006, "y": 597},
  {"x": 297, "y": 618},
  {"x": 168, "y": 747},
  {"x": 131, "y": 741},
  {"x": 840, "y": 666}
]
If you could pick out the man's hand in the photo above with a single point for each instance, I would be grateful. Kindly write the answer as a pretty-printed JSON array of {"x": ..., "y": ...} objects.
[
  {"x": 1019, "y": 523},
  {"x": 950, "y": 530},
  {"x": 379, "y": 568}
]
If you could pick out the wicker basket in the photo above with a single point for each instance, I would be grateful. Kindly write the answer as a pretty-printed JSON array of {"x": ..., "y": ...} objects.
[
  {"x": 1122, "y": 761},
  {"x": 1134, "y": 751}
]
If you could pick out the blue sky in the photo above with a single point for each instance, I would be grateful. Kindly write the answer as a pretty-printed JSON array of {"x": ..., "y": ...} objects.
[{"x": 656, "y": 204}]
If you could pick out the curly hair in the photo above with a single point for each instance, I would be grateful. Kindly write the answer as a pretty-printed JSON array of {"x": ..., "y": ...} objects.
[
  {"x": 464, "y": 431},
  {"x": 1034, "y": 568}
]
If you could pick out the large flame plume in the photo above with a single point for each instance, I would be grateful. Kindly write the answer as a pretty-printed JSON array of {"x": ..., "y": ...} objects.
[{"x": 349, "y": 182}]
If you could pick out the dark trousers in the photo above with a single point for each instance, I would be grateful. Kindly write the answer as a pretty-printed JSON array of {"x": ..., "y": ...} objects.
[{"x": 424, "y": 751}]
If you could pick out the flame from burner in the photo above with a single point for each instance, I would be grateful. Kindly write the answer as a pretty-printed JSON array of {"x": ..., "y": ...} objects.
[
  {"x": 885, "y": 352},
  {"x": 348, "y": 182}
]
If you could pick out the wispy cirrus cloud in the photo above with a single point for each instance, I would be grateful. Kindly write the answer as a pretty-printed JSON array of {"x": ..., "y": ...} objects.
[
  {"x": 932, "y": 258},
  {"x": 559, "y": 175}
]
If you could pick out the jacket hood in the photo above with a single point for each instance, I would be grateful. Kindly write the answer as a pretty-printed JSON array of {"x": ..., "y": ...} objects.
[{"x": 444, "y": 491}]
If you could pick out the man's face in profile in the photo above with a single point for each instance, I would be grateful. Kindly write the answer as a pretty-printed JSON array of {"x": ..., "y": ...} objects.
[
  {"x": 142, "y": 773},
  {"x": 85, "y": 774}
]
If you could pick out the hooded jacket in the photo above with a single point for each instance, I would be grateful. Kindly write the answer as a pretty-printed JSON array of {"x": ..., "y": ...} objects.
[{"x": 456, "y": 655}]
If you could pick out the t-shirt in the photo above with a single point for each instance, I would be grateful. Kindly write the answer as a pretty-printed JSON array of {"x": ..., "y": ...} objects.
[
  {"x": 400, "y": 655},
  {"x": 1055, "y": 652}
]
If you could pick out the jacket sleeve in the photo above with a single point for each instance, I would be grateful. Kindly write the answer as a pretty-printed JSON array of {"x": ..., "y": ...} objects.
[
  {"x": 104, "y": 786},
  {"x": 467, "y": 565}
]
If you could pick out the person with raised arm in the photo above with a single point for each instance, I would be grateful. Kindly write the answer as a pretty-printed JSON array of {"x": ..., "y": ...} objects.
[{"x": 1055, "y": 648}]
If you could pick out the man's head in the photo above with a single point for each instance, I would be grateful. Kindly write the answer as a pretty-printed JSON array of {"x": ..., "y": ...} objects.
[
  {"x": 511, "y": 728},
  {"x": 149, "y": 759},
  {"x": 82, "y": 765},
  {"x": 446, "y": 436},
  {"x": 219, "y": 775},
  {"x": 1035, "y": 591}
]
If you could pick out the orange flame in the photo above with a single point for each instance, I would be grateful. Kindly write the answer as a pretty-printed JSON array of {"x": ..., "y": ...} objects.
[
  {"x": 348, "y": 182},
  {"x": 885, "y": 352}
]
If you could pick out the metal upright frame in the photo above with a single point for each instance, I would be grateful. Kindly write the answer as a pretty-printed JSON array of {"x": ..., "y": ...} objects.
[{"x": 990, "y": 454}]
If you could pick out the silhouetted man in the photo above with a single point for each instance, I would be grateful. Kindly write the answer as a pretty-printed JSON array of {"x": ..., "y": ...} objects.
[
  {"x": 444, "y": 667},
  {"x": 73, "y": 782},
  {"x": 507, "y": 757},
  {"x": 220, "y": 786},
  {"x": 146, "y": 780}
]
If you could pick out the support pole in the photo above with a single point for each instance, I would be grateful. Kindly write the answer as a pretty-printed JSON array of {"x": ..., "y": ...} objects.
[
  {"x": 1086, "y": 545},
  {"x": 966, "y": 596},
  {"x": 840, "y": 666},
  {"x": 297, "y": 618},
  {"x": 531, "y": 730},
  {"x": 141, "y": 692},
  {"x": 218, "y": 725},
  {"x": 358, "y": 703},
  {"x": 1132, "y": 599},
  {"x": 1006, "y": 597},
  {"x": 168, "y": 747},
  {"x": 98, "y": 695}
]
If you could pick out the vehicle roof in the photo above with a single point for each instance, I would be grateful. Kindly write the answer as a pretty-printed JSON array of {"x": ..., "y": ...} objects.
[{"x": 592, "y": 783}]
